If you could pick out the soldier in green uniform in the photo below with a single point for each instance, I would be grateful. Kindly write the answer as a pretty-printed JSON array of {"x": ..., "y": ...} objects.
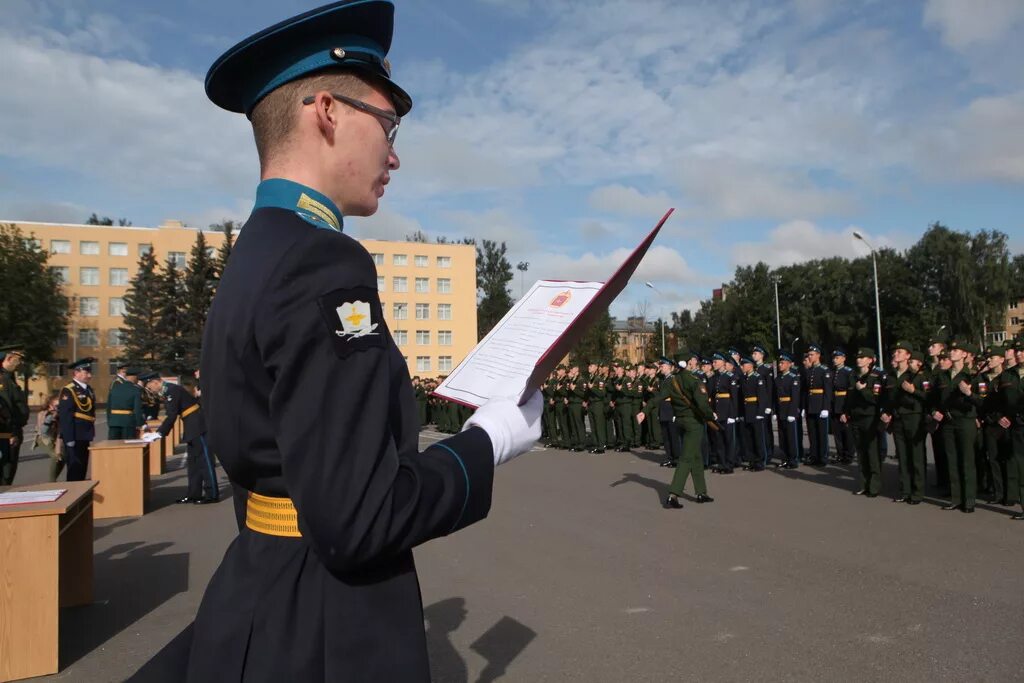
[
  {"x": 597, "y": 394},
  {"x": 956, "y": 409},
  {"x": 627, "y": 391},
  {"x": 550, "y": 436},
  {"x": 577, "y": 393},
  {"x": 420, "y": 393},
  {"x": 16, "y": 407},
  {"x": 561, "y": 396},
  {"x": 905, "y": 397},
  {"x": 1011, "y": 388},
  {"x": 652, "y": 430},
  {"x": 691, "y": 411},
  {"x": 861, "y": 414},
  {"x": 124, "y": 405},
  {"x": 996, "y": 441}
]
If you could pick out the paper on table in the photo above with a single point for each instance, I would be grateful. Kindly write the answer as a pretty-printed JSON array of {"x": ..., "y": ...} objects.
[
  {"x": 25, "y": 497},
  {"x": 151, "y": 436},
  {"x": 525, "y": 346}
]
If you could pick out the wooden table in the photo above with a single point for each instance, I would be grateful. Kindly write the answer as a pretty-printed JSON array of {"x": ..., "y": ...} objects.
[
  {"x": 121, "y": 472},
  {"x": 45, "y": 564}
]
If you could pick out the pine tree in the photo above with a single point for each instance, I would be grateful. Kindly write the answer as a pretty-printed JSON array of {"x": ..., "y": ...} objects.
[
  {"x": 493, "y": 275},
  {"x": 224, "y": 253},
  {"x": 172, "y": 319},
  {"x": 199, "y": 284},
  {"x": 141, "y": 312}
]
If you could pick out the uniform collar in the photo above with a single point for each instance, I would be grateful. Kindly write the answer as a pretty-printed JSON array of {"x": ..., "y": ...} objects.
[
  {"x": 307, "y": 203},
  {"x": 81, "y": 384}
]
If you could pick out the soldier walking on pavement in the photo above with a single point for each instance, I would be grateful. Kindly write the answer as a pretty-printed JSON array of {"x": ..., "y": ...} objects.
[
  {"x": 842, "y": 381},
  {"x": 76, "y": 417},
  {"x": 861, "y": 415},
  {"x": 819, "y": 402},
  {"x": 15, "y": 401}
]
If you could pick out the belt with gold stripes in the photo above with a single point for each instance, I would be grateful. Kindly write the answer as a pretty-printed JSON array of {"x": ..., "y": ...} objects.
[
  {"x": 785, "y": 399},
  {"x": 120, "y": 412},
  {"x": 272, "y": 516},
  {"x": 722, "y": 395},
  {"x": 6, "y": 435},
  {"x": 83, "y": 416},
  {"x": 188, "y": 411},
  {"x": 840, "y": 393},
  {"x": 817, "y": 391},
  {"x": 750, "y": 399}
]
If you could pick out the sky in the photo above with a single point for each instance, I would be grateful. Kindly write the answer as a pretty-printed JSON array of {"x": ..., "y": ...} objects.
[{"x": 565, "y": 128}]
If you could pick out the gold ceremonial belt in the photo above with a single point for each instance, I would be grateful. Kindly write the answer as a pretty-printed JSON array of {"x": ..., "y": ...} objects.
[
  {"x": 83, "y": 416},
  {"x": 6, "y": 435},
  {"x": 785, "y": 399},
  {"x": 752, "y": 399},
  {"x": 120, "y": 412},
  {"x": 722, "y": 395},
  {"x": 817, "y": 391},
  {"x": 191, "y": 409},
  {"x": 272, "y": 516},
  {"x": 840, "y": 393}
]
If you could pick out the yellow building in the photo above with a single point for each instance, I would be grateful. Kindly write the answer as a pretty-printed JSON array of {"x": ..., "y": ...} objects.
[{"x": 428, "y": 293}]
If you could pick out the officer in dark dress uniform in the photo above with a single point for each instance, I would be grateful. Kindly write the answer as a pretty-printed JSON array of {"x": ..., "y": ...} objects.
[
  {"x": 662, "y": 406},
  {"x": 723, "y": 392},
  {"x": 788, "y": 398},
  {"x": 767, "y": 372},
  {"x": 309, "y": 406},
  {"x": 818, "y": 406},
  {"x": 76, "y": 415},
  {"x": 755, "y": 410},
  {"x": 14, "y": 402},
  {"x": 842, "y": 384}
]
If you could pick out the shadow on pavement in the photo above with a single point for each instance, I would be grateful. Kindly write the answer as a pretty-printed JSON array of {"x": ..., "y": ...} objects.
[
  {"x": 660, "y": 488},
  {"x": 170, "y": 664},
  {"x": 99, "y": 532},
  {"x": 131, "y": 580},
  {"x": 499, "y": 645}
]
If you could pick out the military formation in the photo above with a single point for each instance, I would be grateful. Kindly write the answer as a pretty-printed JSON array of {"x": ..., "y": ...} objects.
[{"x": 725, "y": 410}]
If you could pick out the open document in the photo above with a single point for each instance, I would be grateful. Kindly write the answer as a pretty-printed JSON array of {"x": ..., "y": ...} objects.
[{"x": 536, "y": 334}]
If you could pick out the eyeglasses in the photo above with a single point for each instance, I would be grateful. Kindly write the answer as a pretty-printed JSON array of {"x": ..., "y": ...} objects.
[{"x": 391, "y": 132}]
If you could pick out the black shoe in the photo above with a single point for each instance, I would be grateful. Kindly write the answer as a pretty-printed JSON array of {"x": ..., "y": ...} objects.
[
  {"x": 668, "y": 463},
  {"x": 969, "y": 510},
  {"x": 1019, "y": 516},
  {"x": 791, "y": 465},
  {"x": 950, "y": 506},
  {"x": 673, "y": 502},
  {"x": 913, "y": 502},
  {"x": 861, "y": 492},
  {"x": 871, "y": 495},
  {"x": 204, "y": 501},
  {"x": 704, "y": 498},
  {"x": 726, "y": 471},
  {"x": 597, "y": 451},
  {"x": 186, "y": 499},
  {"x": 904, "y": 499}
]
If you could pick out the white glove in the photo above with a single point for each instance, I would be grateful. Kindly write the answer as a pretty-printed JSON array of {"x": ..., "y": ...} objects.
[
  {"x": 730, "y": 421},
  {"x": 767, "y": 411},
  {"x": 824, "y": 413},
  {"x": 760, "y": 417},
  {"x": 803, "y": 413},
  {"x": 513, "y": 429},
  {"x": 790, "y": 419}
]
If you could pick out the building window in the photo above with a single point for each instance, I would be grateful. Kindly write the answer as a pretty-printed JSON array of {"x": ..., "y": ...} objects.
[
  {"x": 422, "y": 337},
  {"x": 378, "y": 259},
  {"x": 399, "y": 284},
  {"x": 422, "y": 285},
  {"x": 118, "y": 249},
  {"x": 399, "y": 260},
  {"x": 422, "y": 363},
  {"x": 88, "y": 337},
  {"x": 60, "y": 247},
  {"x": 1015, "y": 321},
  {"x": 114, "y": 339},
  {"x": 63, "y": 273},
  {"x": 33, "y": 243},
  {"x": 89, "y": 306},
  {"x": 116, "y": 306},
  {"x": 89, "y": 276},
  {"x": 444, "y": 261},
  {"x": 444, "y": 363},
  {"x": 89, "y": 248},
  {"x": 119, "y": 276},
  {"x": 380, "y": 283},
  {"x": 444, "y": 337},
  {"x": 401, "y": 337},
  {"x": 420, "y": 261},
  {"x": 444, "y": 285},
  {"x": 444, "y": 311},
  {"x": 145, "y": 249},
  {"x": 177, "y": 258},
  {"x": 400, "y": 311},
  {"x": 423, "y": 311}
]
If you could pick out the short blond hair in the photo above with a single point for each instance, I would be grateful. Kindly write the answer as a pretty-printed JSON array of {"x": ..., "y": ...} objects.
[{"x": 274, "y": 117}]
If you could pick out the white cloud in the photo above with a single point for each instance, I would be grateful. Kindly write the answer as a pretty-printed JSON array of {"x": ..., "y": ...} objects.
[
  {"x": 386, "y": 224},
  {"x": 965, "y": 24},
  {"x": 43, "y": 211},
  {"x": 801, "y": 240},
  {"x": 629, "y": 201}
]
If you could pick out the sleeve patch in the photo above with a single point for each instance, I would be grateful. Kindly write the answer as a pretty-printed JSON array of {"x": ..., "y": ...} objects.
[{"x": 354, "y": 320}]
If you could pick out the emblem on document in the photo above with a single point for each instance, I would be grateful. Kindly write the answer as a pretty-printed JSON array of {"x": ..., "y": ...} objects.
[
  {"x": 355, "y": 320},
  {"x": 561, "y": 299}
]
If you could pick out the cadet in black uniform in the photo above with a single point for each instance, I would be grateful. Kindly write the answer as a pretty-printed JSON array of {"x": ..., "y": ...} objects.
[
  {"x": 755, "y": 410},
  {"x": 723, "y": 391},
  {"x": 819, "y": 402},
  {"x": 76, "y": 415},
  {"x": 788, "y": 398},
  {"x": 758, "y": 355},
  {"x": 842, "y": 383},
  {"x": 308, "y": 400}
]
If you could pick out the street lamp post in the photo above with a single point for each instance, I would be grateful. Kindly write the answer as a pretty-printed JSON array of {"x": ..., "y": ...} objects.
[
  {"x": 878, "y": 308},
  {"x": 778, "y": 323},
  {"x": 792, "y": 344},
  {"x": 662, "y": 316}
]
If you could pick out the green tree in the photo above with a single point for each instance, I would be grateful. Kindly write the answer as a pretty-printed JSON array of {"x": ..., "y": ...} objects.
[
  {"x": 106, "y": 220},
  {"x": 33, "y": 308},
  {"x": 142, "y": 312},
  {"x": 199, "y": 283},
  {"x": 493, "y": 275},
  {"x": 597, "y": 344},
  {"x": 228, "y": 227},
  {"x": 172, "y": 320}
]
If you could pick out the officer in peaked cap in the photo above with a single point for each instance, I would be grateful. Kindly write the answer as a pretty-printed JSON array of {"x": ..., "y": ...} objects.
[
  {"x": 788, "y": 403},
  {"x": 818, "y": 407},
  {"x": 124, "y": 404},
  {"x": 76, "y": 415},
  {"x": 14, "y": 412},
  {"x": 308, "y": 401},
  {"x": 842, "y": 384}
]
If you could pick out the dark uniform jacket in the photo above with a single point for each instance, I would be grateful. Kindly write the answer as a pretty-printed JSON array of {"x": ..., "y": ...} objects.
[
  {"x": 308, "y": 397},
  {"x": 756, "y": 399},
  {"x": 788, "y": 395},
  {"x": 897, "y": 402},
  {"x": 862, "y": 403},
  {"x": 16, "y": 401},
  {"x": 686, "y": 397},
  {"x": 842, "y": 383},
  {"x": 819, "y": 390},
  {"x": 76, "y": 413},
  {"x": 724, "y": 391},
  {"x": 179, "y": 402}
]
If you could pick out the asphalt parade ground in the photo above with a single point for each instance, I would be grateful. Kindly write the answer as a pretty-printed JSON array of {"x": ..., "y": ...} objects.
[{"x": 580, "y": 574}]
